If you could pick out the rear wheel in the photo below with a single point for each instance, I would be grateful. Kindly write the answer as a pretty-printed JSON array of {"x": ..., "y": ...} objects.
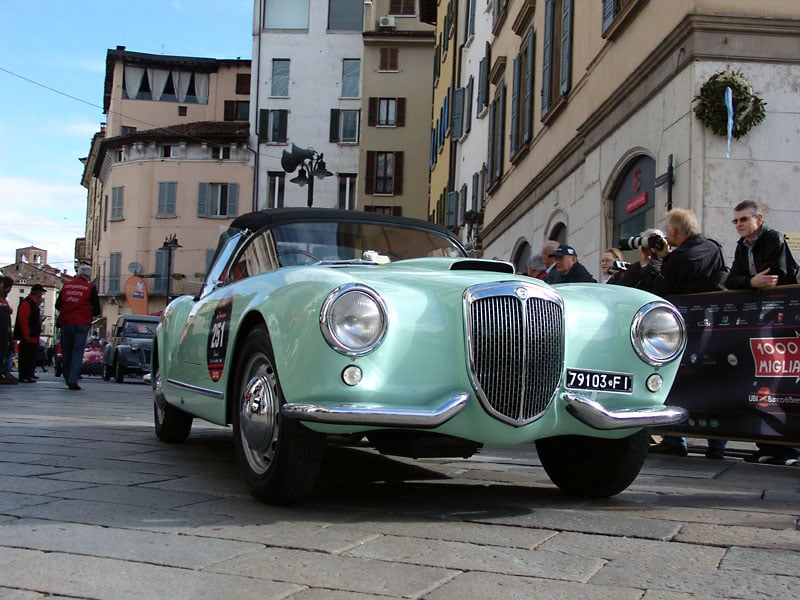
[
  {"x": 279, "y": 458},
  {"x": 172, "y": 424},
  {"x": 119, "y": 370},
  {"x": 593, "y": 467}
]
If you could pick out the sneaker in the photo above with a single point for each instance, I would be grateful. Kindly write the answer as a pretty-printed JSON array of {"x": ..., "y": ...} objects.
[
  {"x": 73, "y": 386},
  {"x": 716, "y": 453},
  {"x": 671, "y": 449}
]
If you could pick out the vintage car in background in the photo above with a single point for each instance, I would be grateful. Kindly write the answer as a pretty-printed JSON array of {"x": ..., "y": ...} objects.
[
  {"x": 91, "y": 364},
  {"x": 128, "y": 348},
  {"x": 316, "y": 322}
]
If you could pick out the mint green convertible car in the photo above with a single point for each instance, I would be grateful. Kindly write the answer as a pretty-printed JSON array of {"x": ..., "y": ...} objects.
[{"x": 317, "y": 322}]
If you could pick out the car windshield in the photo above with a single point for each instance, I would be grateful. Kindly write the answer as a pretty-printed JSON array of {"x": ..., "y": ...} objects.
[
  {"x": 301, "y": 243},
  {"x": 139, "y": 329}
]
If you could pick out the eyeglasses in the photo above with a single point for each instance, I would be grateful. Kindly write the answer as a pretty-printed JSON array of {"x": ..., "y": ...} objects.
[{"x": 740, "y": 220}]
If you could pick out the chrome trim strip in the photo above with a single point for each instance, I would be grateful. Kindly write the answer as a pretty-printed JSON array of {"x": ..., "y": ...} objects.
[
  {"x": 374, "y": 416},
  {"x": 594, "y": 415},
  {"x": 195, "y": 388}
]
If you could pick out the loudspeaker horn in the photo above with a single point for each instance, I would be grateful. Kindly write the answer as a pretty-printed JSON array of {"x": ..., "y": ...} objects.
[{"x": 290, "y": 160}]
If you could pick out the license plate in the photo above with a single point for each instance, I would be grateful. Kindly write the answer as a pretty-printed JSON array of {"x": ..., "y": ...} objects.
[{"x": 601, "y": 381}]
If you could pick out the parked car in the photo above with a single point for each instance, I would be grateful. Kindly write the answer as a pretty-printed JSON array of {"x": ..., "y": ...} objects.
[
  {"x": 128, "y": 348},
  {"x": 91, "y": 363},
  {"x": 316, "y": 322}
]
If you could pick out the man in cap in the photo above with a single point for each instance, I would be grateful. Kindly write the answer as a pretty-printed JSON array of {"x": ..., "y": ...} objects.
[
  {"x": 27, "y": 329},
  {"x": 569, "y": 269},
  {"x": 77, "y": 303}
]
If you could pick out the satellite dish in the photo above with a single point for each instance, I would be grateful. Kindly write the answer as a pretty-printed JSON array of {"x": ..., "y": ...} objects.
[{"x": 135, "y": 268}]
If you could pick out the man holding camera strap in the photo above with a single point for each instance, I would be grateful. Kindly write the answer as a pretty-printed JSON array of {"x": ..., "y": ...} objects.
[{"x": 691, "y": 263}]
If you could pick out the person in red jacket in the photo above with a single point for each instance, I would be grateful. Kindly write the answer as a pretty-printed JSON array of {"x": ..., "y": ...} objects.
[
  {"x": 78, "y": 303},
  {"x": 27, "y": 329}
]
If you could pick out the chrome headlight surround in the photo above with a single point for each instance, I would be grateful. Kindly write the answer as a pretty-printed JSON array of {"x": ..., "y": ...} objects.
[
  {"x": 658, "y": 333},
  {"x": 353, "y": 319}
]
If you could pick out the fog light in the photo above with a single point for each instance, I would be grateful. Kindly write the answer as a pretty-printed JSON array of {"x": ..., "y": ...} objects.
[
  {"x": 352, "y": 375},
  {"x": 655, "y": 382}
]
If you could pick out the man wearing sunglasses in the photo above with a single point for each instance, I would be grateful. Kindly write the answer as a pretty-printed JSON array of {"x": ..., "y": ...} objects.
[{"x": 762, "y": 258}]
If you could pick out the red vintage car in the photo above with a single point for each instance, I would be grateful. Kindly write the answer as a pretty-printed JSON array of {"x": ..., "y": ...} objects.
[{"x": 92, "y": 359}]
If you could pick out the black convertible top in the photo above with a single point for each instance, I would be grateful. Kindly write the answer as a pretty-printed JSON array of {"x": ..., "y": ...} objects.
[{"x": 255, "y": 221}]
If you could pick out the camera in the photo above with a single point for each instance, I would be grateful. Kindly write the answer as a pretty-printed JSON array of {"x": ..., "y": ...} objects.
[
  {"x": 654, "y": 241},
  {"x": 619, "y": 265}
]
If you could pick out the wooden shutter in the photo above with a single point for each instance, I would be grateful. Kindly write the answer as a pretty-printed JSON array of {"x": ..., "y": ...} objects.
[
  {"x": 547, "y": 58},
  {"x": 372, "y": 112},
  {"x": 566, "y": 47},
  {"x": 515, "y": 112},
  {"x": 333, "y": 135},
  {"x": 202, "y": 200},
  {"x": 457, "y": 126},
  {"x": 452, "y": 209},
  {"x": 283, "y": 125},
  {"x": 263, "y": 125},
  {"x": 468, "y": 103},
  {"x": 397, "y": 187},
  {"x": 230, "y": 110},
  {"x": 369, "y": 180},
  {"x": 462, "y": 206},
  {"x": 401, "y": 112},
  {"x": 528, "y": 110},
  {"x": 609, "y": 12}
]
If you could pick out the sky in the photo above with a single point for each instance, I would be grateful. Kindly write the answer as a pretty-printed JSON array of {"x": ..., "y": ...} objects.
[{"x": 52, "y": 72}]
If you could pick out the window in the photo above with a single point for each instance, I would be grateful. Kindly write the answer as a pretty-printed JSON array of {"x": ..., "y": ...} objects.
[
  {"x": 344, "y": 126},
  {"x": 389, "y": 59},
  {"x": 387, "y": 112},
  {"x": 351, "y": 77},
  {"x": 163, "y": 85},
  {"x": 120, "y": 156},
  {"x": 280, "y": 77},
  {"x": 276, "y": 185},
  {"x": 556, "y": 70},
  {"x": 167, "y": 193},
  {"x": 114, "y": 271},
  {"x": 273, "y": 126},
  {"x": 497, "y": 124},
  {"x": 221, "y": 152},
  {"x": 117, "y": 203},
  {"x": 401, "y": 7},
  {"x": 346, "y": 15},
  {"x": 183, "y": 111},
  {"x": 237, "y": 110},
  {"x": 218, "y": 200},
  {"x": 616, "y": 13},
  {"x": 395, "y": 211},
  {"x": 384, "y": 173},
  {"x": 347, "y": 191},
  {"x": 243, "y": 83},
  {"x": 127, "y": 130},
  {"x": 286, "y": 14},
  {"x": 522, "y": 96},
  {"x": 166, "y": 151}
]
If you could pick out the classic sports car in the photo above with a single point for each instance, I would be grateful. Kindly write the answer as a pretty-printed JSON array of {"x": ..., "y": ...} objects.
[
  {"x": 128, "y": 348},
  {"x": 316, "y": 322}
]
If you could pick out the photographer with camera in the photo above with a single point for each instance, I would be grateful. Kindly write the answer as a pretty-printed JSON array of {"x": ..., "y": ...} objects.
[{"x": 632, "y": 276}]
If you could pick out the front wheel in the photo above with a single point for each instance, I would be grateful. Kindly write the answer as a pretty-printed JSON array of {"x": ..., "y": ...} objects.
[
  {"x": 119, "y": 371},
  {"x": 172, "y": 424},
  {"x": 593, "y": 467},
  {"x": 280, "y": 458}
]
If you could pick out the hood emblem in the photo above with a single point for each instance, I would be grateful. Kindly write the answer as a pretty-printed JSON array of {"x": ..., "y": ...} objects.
[{"x": 521, "y": 293}]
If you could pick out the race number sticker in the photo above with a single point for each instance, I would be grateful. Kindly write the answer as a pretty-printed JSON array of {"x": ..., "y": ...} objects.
[{"x": 218, "y": 338}]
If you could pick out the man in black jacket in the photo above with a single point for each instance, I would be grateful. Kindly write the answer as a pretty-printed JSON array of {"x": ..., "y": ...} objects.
[
  {"x": 569, "y": 269},
  {"x": 761, "y": 254},
  {"x": 691, "y": 262},
  {"x": 762, "y": 260}
]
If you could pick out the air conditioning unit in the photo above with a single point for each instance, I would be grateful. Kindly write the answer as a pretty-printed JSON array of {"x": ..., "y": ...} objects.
[{"x": 386, "y": 22}]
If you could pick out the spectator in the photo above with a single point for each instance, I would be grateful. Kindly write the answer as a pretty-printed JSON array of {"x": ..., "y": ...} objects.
[
  {"x": 5, "y": 332},
  {"x": 27, "y": 329},
  {"x": 608, "y": 273},
  {"x": 536, "y": 267},
  {"x": 762, "y": 260},
  {"x": 569, "y": 269},
  {"x": 691, "y": 264},
  {"x": 77, "y": 303},
  {"x": 551, "y": 273}
]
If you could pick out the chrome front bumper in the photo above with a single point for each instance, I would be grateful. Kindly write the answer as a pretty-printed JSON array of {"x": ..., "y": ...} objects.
[
  {"x": 584, "y": 409},
  {"x": 595, "y": 415}
]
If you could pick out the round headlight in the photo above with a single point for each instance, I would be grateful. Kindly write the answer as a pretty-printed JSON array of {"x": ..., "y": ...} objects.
[
  {"x": 658, "y": 333},
  {"x": 353, "y": 319}
]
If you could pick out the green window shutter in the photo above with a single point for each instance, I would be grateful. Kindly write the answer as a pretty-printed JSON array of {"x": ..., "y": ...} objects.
[
  {"x": 202, "y": 200},
  {"x": 283, "y": 126},
  {"x": 233, "y": 199},
  {"x": 263, "y": 125},
  {"x": 547, "y": 58},
  {"x": 610, "y": 10},
  {"x": 515, "y": 94},
  {"x": 528, "y": 127},
  {"x": 457, "y": 126},
  {"x": 566, "y": 48}
]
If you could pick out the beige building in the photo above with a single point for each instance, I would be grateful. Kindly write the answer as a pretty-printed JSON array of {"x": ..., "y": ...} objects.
[
  {"x": 167, "y": 172},
  {"x": 396, "y": 109},
  {"x": 590, "y": 128}
]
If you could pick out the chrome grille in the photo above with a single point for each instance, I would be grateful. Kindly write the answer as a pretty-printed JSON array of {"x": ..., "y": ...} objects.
[{"x": 516, "y": 345}]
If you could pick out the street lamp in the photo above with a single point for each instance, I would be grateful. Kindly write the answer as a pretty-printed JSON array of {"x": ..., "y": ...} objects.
[
  {"x": 170, "y": 243},
  {"x": 311, "y": 165}
]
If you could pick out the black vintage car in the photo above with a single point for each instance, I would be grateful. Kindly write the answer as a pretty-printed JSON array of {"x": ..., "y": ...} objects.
[{"x": 128, "y": 349}]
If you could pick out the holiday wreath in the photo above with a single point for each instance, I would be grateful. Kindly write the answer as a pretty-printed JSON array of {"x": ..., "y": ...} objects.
[{"x": 748, "y": 108}]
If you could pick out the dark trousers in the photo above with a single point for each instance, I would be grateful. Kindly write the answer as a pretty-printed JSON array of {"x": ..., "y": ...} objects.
[{"x": 27, "y": 359}]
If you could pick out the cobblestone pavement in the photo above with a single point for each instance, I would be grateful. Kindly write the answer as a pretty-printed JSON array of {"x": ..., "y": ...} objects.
[{"x": 92, "y": 505}]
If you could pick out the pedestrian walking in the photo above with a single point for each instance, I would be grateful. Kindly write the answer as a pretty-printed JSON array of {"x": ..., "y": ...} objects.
[{"x": 77, "y": 303}]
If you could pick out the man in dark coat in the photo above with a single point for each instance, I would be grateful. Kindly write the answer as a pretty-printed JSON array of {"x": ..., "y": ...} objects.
[
  {"x": 569, "y": 269},
  {"x": 27, "y": 329}
]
